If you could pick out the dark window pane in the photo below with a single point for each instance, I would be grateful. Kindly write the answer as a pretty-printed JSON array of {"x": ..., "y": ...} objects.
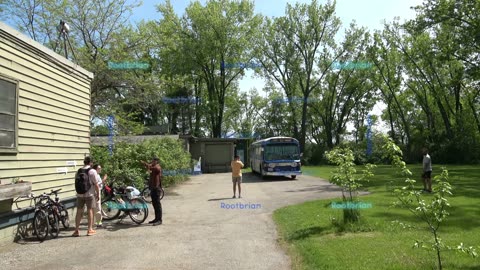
[
  {"x": 7, "y": 139},
  {"x": 7, "y": 90},
  {"x": 7, "y": 122},
  {"x": 7, "y": 97},
  {"x": 7, "y": 106}
]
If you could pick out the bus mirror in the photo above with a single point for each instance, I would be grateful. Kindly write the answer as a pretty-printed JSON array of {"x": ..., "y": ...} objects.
[{"x": 301, "y": 154}]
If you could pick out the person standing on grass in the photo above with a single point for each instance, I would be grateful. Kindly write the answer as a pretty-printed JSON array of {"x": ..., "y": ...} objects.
[
  {"x": 98, "y": 204},
  {"x": 427, "y": 171},
  {"x": 237, "y": 166},
  {"x": 155, "y": 184},
  {"x": 87, "y": 190}
]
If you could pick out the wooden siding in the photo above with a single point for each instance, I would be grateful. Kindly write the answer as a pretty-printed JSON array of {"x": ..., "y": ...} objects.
[{"x": 53, "y": 114}]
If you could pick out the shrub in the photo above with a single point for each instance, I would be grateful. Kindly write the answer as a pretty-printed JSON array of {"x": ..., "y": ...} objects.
[
  {"x": 345, "y": 176},
  {"x": 124, "y": 167}
]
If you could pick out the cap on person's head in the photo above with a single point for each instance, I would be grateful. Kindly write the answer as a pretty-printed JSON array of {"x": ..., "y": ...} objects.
[
  {"x": 156, "y": 158},
  {"x": 87, "y": 160}
]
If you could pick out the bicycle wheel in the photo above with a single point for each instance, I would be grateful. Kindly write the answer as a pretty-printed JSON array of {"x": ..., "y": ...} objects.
[
  {"x": 146, "y": 195},
  {"x": 40, "y": 224},
  {"x": 111, "y": 209},
  {"x": 64, "y": 217},
  {"x": 161, "y": 194},
  {"x": 53, "y": 220},
  {"x": 139, "y": 213}
]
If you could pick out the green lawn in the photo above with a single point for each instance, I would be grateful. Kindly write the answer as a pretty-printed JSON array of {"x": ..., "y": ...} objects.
[{"x": 314, "y": 243}]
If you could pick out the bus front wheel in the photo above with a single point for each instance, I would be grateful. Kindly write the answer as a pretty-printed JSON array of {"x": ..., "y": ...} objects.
[{"x": 294, "y": 176}]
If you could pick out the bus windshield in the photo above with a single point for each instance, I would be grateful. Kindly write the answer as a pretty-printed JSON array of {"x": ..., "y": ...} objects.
[{"x": 281, "y": 152}]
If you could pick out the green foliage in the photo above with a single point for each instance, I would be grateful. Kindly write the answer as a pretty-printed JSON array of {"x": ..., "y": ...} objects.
[
  {"x": 125, "y": 166},
  {"x": 345, "y": 176},
  {"x": 432, "y": 212}
]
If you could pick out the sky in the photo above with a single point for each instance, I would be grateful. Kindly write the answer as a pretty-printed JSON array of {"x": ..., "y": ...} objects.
[{"x": 367, "y": 13}]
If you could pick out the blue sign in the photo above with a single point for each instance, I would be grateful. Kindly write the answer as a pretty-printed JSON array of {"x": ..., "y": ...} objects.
[
  {"x": 369, "y": 135},
  {"x": 110, "y": 123}
]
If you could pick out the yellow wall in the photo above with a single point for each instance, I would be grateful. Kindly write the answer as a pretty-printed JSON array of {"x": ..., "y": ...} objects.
[{"x": 53, "y": 114}]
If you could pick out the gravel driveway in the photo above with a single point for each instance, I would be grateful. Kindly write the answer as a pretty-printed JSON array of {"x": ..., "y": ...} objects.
[{"x": 198, "y": 231}]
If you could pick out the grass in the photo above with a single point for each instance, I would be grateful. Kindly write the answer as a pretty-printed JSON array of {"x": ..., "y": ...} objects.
[{"x": 313, "y": 242}]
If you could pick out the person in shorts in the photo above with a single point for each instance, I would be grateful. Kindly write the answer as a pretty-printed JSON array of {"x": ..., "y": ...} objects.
[
  {"x": 88, "y": 199},
  {"x": 237, "y": 166},
  {"x": 427, "y": 171},
  {"x": 98, "y": 204}
]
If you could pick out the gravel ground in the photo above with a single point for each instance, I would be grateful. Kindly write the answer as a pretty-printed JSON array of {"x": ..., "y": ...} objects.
[{"x": 197, "y": 233}]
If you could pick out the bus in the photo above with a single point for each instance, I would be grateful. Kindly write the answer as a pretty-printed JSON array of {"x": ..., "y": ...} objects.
[{"x": 276, "y": 156}]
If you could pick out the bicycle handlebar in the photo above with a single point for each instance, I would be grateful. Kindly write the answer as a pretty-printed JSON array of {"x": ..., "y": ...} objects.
[{"x": 55, "y": 191}]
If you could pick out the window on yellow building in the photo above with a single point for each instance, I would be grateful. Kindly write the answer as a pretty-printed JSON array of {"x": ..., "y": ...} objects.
[{"x": 8, "y": 115}]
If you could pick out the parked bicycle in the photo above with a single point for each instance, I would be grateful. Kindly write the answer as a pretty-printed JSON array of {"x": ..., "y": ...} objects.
[
  {"x": 146, "y": 194},
  {"x": 45, "y": 219},
  {"x": 62, "y": 210},
  {"x": 41, "y": 224},
  {"x": 120, "y": 200},
  {"x": 48, "y": 214}
]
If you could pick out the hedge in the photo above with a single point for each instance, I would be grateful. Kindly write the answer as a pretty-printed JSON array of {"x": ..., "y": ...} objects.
[{"x": 124, "y": 167}]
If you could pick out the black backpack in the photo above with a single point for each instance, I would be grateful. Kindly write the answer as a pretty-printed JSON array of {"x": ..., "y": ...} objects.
[{"x": 82, "y": 181}]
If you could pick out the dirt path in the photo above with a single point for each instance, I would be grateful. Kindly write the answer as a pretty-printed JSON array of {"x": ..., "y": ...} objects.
[{"x": 199, "y": 231}]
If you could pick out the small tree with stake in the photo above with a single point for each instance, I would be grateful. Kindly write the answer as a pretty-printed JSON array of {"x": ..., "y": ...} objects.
[
  {"x": 345, "y": 176},
  {"x": 434, "y": 212}
]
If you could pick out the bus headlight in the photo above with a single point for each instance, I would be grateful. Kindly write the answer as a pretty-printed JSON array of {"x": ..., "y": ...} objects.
[{"x": 271, "y": 165}]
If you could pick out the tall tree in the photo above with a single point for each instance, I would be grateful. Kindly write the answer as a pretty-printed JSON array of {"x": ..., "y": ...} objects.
[{"x": 209, "y": 38}]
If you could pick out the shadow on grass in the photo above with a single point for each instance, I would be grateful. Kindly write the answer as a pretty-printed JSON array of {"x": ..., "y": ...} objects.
[
  {"x": 305, "y": 233},
  {"x": 319, "y": 188}
]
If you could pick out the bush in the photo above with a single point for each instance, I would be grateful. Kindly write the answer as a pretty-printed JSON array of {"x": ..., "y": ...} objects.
[{"x": 124, "y": 167}]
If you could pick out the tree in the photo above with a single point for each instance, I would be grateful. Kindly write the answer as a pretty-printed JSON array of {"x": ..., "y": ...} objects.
[
  {"x": 345, "y": 176},
  {"x": 433, "y": 212},
  {"x": 206, "y": 36}
]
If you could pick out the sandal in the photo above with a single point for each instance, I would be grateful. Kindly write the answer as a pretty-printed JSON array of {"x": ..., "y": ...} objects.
[
  {"x": 92, "y": 232},
  {"x": 76, "y": 234}
]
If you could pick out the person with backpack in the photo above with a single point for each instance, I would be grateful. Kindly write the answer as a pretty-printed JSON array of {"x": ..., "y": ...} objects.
[{"x": 87, "y": 189}]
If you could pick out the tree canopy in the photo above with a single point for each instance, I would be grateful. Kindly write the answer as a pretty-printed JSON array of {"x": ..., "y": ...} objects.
[{"x": 424, "y": 71}]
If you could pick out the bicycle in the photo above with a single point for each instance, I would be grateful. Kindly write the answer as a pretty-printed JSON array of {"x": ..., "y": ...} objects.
[
  {"x": 62, "y": 210},
  {"x": 146, "y": 194},
  {"x": 40, "y": 221},
  {"x": 47, "y": 214},
  {"x": 120, "y": 200},
  {"x": 45, "y": 219}
]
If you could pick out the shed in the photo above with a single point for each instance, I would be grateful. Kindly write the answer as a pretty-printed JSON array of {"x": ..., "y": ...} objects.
[
  {"x": 44, "y": 120},
  {"x": 217, "y": 153}
]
